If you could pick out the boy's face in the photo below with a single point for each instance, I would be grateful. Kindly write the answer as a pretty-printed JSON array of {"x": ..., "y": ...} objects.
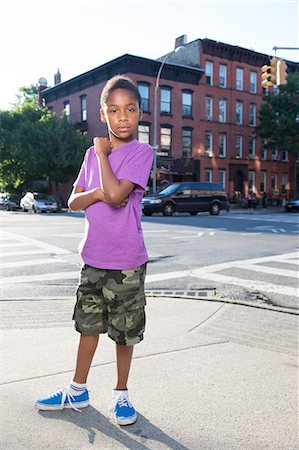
[{"x": 121, "y": 113}]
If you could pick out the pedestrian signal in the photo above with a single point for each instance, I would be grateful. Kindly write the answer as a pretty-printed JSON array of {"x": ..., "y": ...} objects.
[{"x": 269, "y": 73}]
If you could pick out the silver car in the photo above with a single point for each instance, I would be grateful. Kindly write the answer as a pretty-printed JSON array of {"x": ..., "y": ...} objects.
[{"x": 37, "y": 202}]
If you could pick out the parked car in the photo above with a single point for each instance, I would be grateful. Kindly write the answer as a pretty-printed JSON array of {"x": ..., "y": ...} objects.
[
  {"x": 190, "y": 197},
  {"x": 292, "y": 205},
  {"x": 38, "y": 202},
  {"x": 9, "y": 202}
]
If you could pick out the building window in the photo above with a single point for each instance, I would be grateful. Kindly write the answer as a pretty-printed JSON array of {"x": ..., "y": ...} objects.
[
  {"x": 67, "y": 110},
  {"x": 264, "y": 150},
  {"x": 209, "y": 73},
  {"x": 284, "y": 183},
  {"x": 143, "y": 89},
  {"x": 83, "y": 108},
  {"x": 251, "y": 180},
  {"x": 239, "y": 79},
  {"x": 285, "y": 155},
  {"x": 187, "y": 142},
  {"x": 222, "y": 110},
  {"x": 275, "y": 155},
  {"x": 208, "y": 144},
  {"x": 165, "y": 142},
  {"x": 144, "y": 133},
  {"x": 239, "y": 142},
  {"x": 221, "y": 178},
  {"x": 165, "y": 100},
  {"x": 222, "y": 76},
  {"x": 251, "y": 147},
  {"x": 187, "y": 104},
  {"x": 209, "y": 108},
  {"x": 274, "y": 182},
  {"x": 263, "y": 182},
  {"x": 252, "y": 114},
  {"x": 253, "y": 78},
  {"x": 239, "y": 113},
  {"x": 208, "y": 176},
  {"x": 222, "y": 145}
]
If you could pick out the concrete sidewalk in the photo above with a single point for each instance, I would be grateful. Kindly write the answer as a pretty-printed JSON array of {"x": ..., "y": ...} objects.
[{"x": 207, "y": 376}]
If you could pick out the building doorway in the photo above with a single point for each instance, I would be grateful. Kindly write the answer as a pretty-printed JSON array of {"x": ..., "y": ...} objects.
[{"x": 239, "y": 182}]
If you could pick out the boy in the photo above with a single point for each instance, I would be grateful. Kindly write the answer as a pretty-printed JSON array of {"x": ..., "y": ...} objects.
[{"x": 110, "y": 295}]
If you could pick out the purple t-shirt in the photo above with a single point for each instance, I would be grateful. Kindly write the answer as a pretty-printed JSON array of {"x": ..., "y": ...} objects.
[{"x": 113, "y": 236}]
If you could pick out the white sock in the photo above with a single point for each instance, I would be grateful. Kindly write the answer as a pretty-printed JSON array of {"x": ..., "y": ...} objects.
[{"x": 76, "y": 388}]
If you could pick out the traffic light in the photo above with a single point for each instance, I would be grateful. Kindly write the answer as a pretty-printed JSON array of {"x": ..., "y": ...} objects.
[
  {"x": 281, "y": 72},
  {"x": 269, "y": 73}
]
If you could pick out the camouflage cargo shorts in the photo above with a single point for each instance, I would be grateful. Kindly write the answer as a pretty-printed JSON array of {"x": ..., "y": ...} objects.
[{"x": 111, "y": 301}]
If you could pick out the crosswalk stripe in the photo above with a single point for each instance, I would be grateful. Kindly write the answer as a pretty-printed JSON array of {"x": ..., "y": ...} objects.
[
  {"x": 41, "y": 277},
  {"x": 33, "y": 262},
  {"x": 271, "y": 270}
]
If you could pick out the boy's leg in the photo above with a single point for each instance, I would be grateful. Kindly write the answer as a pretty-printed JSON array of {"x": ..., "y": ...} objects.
[
  {"x": 123, "y": 363},
  {"x": 87, "y": 347}
]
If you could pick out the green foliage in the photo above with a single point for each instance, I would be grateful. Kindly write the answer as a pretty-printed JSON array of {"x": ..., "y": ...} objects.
[
  {"x": 279, "y": 117},
  {"x": 35, "y": 145}
]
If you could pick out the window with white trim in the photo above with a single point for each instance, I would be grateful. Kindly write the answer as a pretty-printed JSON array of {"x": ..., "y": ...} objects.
[
  {"x": 222, "y": 110},
  {"x": 252, "y": 114},
  {"x": 67, "y": 110},
  {"x": 263, "y": 177},
  {"x": 208, "y": 176},
  {"x": 144, "y": 92},
  {"x": 209, "y": 73},
  {"x": 222, "y": 75},
  {"x": 186, "y": 103},
  {"x": 238, "y": 145},
  {"x": 274, "y": 182},
  {"x": 221, "y": 177},
  {"x": 253, "y": 81},
  {"x": 222, "y": 145},
  {"x": 239, "y": 113},
  {"x": 284, "y": 183},
  {"x": 83, "y": 104},
  {"x": 251, "y": 147},
  {"x": 165, "y": 140},
  {"x": 209, "y": 108},
  {"x": 165, "y": 100},
  {"x": 275, "y": 155},
  {"x": 144, "y": 133},
  {"x": 187, "y": 142},
  {"x": 285, "y": 155},
  {"x": 208, "y": 143},
  {"x": 239, "y": 79},
  {"x": 251, "y": 180}
]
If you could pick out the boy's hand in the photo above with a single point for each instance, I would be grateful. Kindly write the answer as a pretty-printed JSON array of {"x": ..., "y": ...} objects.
[
  {"x": 102, "y": 145},
  {"x": 123, "y": 203}
]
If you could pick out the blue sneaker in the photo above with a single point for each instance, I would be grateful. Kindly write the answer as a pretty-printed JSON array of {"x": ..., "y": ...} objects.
[
  {"x": 63, "y": 399},
  {"x": 124, "y": 412}
]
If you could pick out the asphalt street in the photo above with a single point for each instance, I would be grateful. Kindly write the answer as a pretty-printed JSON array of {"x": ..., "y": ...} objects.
[
  {"x": 237, "y": 256},
  {"x": 218, "y": 369}
]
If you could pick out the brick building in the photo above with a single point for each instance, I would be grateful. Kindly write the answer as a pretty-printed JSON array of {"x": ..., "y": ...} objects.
[{"x": 209, "y": 98}]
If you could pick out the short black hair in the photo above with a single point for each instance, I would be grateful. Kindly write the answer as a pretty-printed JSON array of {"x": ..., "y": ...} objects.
[{"x": 119, "y": 82}]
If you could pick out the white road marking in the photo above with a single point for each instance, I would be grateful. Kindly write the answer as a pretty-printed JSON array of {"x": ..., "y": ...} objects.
[
  {"x": 250, "y": 234},
  {"x": 46, "y": 248},
  {"x": 210, "y": 273},
  {"x": 41, "y": 277},
  {"x": 34, "y": 262},
  {"x": 271, "y": 270},
  {"x": 155, "y": 231},
  {"x": 70, "y": 235}
]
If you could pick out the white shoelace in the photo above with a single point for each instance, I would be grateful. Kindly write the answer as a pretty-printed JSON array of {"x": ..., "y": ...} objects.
[
  {"x": 122, "y": 400},
  {"x": 64, "y": 390}
]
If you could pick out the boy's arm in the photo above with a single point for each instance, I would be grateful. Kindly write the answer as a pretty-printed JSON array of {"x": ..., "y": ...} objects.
[
  {"x": 114, "y": 190},
  {"x": 80, "y": 199}
]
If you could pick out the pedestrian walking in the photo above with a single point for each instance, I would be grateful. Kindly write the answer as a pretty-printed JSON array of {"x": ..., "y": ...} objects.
[
  {"x": 110, "y": 294},
  {"x": 250, "y": 200},
  {"x": 264, "y": 200}
]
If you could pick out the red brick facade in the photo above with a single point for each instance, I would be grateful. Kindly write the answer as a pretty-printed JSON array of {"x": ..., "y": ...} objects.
[{"x": 184, "y": 72}]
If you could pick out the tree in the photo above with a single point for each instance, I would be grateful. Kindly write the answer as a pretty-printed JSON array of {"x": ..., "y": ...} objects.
[
  {"x": 35, "y": 144},
  {"x": 279, "y": 121}
]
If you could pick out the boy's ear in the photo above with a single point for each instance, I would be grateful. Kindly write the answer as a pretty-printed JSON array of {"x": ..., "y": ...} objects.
[
  {"x": 140, "y": 114},
  {"x": 102, "y": 116}
]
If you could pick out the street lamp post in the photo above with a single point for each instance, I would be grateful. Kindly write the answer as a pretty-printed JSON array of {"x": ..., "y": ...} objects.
[{"x": 155, "y": 144}]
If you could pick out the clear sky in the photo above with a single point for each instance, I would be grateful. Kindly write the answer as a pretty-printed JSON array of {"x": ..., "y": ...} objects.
[{"x": 37, "y": 37}]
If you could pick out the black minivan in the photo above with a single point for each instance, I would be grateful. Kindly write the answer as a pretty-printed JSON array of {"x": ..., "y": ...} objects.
[{"x": 187, "y": 197}]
